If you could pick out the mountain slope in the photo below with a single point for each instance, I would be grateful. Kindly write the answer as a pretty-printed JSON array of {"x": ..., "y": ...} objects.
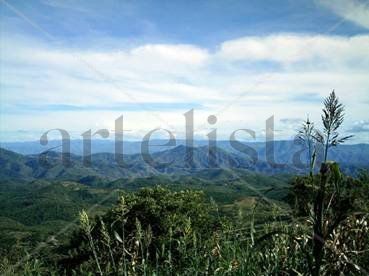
[
  {"x": 284, "y": 150},
  {"x": 175, "y": 161}
]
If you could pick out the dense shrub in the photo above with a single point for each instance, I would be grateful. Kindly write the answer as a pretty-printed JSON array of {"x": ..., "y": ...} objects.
[{"x": 142, "y": 225}]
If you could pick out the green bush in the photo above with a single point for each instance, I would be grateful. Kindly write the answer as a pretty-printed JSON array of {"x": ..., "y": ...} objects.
[{"x": 145, "y": 224}]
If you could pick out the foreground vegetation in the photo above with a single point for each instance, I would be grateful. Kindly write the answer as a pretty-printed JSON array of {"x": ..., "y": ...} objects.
[{"x": 156, "y": 231}]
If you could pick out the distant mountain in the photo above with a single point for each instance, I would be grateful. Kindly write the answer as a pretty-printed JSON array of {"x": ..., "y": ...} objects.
[
  {"x": 172, "y": 161},
  {"x": 104, "y": 166},
  {"x": 284, "y": 151},
  {"x": 14, "y": 165}
]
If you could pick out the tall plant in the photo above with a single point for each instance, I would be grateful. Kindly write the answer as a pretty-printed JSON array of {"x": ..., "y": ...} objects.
[
  {"x": 332, "y": 118},
  {"x": 325, "y": 217},
  {"x": 307, "y": 134}
]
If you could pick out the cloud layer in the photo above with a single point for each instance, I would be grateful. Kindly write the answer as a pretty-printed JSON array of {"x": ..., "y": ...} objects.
[{"x": 243, "y": 81}]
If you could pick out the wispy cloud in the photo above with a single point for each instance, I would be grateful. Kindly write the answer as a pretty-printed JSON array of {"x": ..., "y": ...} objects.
[
  {"x": 360, "y": 126},
  {"x": 353, "y": 10},
  {"x": 291, "y": 120},
  {"x": 122, "y": 107},
  {"x": 292, "y": 48},
  {"x": 307, "y": 97}
]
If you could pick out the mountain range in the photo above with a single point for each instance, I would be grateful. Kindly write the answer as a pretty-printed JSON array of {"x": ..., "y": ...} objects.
[{"x": 170, "y": 161}]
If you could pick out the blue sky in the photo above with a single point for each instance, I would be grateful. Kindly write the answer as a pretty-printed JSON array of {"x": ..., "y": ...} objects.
[{"x": 79, "y": 65}]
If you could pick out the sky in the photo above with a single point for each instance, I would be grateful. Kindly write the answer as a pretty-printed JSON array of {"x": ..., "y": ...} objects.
[{"x": 79, "y": 65}]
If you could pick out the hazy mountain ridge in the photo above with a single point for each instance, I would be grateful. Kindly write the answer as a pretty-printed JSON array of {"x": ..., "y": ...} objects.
[
  {"x": 284, "y": 149},
  {"x": 169, "y": 162}
]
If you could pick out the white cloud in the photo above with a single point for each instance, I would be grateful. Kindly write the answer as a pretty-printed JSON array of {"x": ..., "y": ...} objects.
[
  {"x": 223, "y": 82},
  {"x": 184, "y": 54},
  {"x": 360, "y": 126},
  {"x": 352, "y": 10},
  {"x": 288, "y": 48}
]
